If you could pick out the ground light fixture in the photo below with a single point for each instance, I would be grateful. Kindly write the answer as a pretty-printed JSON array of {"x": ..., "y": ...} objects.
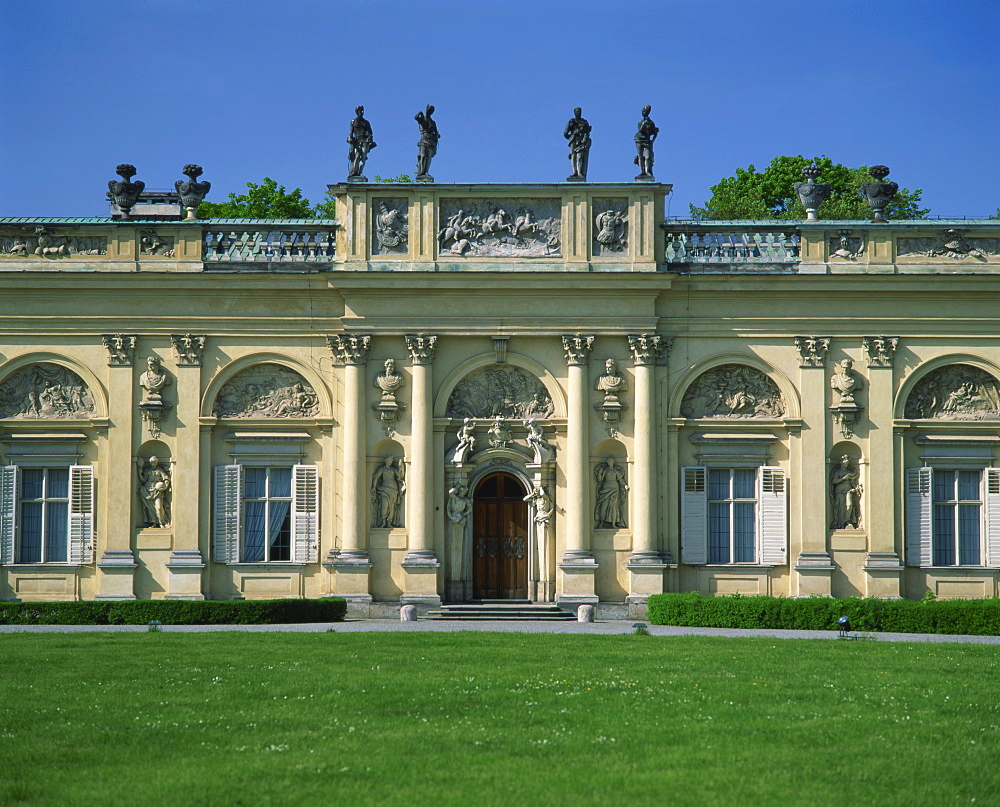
[
  {"x": 845, "y": 626},
  {"x": 155, "y": 626},
  {"x": 640, "y": 629}
]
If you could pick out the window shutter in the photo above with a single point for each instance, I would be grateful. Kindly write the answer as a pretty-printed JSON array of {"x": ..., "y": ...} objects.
[
  {"x": 228, "y": 514},
  {"x": 81, "y": 514},
  {"x": 773, "y": 516},
  {"x": 694, "y": 515},
  {"x": 993, "y": 517},
  {"x": 918, "y": 516},
  {"x": 8, "y": 512},
  {"x": 305, "y": 513}
]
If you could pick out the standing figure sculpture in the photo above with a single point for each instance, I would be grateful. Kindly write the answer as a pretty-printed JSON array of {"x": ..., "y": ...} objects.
[
  {"x": 154, "y": 492},
  {"x": 387, "y": 490},
  {"x": 543, "y": 449},
  {"x": 361, "y": 141},
  {"x": 459, "y": 504},
  {"x": 644, "y": 145},
  {"x": 845, "y": 495},
  {"x": 577, "y": 132},
  {"x": 609, "y": 509},
  {"x": 428, "y": 144},
  {"x": 540, "y": 500}
]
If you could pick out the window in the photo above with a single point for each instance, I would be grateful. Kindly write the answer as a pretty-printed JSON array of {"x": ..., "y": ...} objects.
[
  {"x": 266, "y": 514},
  {"x": 44, "y": 516},
  {"x": 733, "y": 515},
  {"x": 47, "y": 514},
  {"x": 953, "y": 517}
]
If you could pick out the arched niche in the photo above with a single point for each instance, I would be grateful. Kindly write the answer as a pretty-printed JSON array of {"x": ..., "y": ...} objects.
[
  {"x": 154, "y": 448},
  {"x": 49, "y": 387},
  {"x": 951, "y": 388},
  {"x": 481, "y": 388},
  {"x": 734, "y": 388},
  {"x": 386, "y": 486},
  {"x": 266, "y": 386},
  {"x": 611, "y": 448}
]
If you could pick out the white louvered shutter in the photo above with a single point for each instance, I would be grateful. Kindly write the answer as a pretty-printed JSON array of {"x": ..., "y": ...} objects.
[
  {"x": 8, "y": 512},
  {"x": 919, "y": 515},
  {"x": 305, "y": 513},
  {"x": 228, "y": 513},
  {"x": 81, "y": 514},
  {"x": 694, "y": 515},
  {"x": 773, "y": 516},
  {"x": 993, "y": 517}
]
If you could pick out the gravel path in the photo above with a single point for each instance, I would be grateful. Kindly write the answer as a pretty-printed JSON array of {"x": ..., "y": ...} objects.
[{"x": 610, "y": 627}]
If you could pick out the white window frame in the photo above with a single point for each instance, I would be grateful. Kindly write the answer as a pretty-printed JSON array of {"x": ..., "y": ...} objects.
[
  {"x": 228, "y": 515},
  {"x": 80, "y": 516},
  {"x": 920, "y": 520},
  {"x": 770, "y": 516}
]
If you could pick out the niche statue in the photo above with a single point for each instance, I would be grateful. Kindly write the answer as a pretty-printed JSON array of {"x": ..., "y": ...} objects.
[
  {"x": 609, "y": 509},
  {"x": 154, "y": 492},
  {"x": 845, "y": 495},
  {"x": 387, "y": 490}
]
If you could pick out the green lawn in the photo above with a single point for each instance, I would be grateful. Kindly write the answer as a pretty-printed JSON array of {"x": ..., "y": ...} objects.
[{"x": 493, "y": 719}]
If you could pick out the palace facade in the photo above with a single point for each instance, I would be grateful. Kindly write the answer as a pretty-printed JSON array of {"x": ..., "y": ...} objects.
[{"x": 537, "y": 392}]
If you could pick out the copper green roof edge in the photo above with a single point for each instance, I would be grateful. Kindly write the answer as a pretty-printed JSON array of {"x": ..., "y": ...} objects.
[{"x": 102, "y": 220}]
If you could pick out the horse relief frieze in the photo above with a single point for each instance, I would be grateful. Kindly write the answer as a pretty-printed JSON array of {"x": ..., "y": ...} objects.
[
  {"x": 45, "y": 392},
  {"x": 267, "y": 391},
  {"x": 500, "y": 390},
  {"x": 955, "y": 392},
  {"x": 508, "y": 228},
  {"x": 733, "y": 391}
]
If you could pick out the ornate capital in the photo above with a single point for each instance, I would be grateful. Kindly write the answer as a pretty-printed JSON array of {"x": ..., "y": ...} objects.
[
  {"x": 189, "y": 349},
  {"x": 812, "y": 350},
  {"x": 349, "y": 348},
  {"x": 577, "y": 349},
  {"x": 879, "y": 350},
  {"x": 121, "y": 349},
  {"x": 421, "y": 347},
  {"x": 648, "y": 348}
]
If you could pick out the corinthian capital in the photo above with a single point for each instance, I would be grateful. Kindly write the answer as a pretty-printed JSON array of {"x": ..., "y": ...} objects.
[
  {"x": 349, "y": 348},
  {"x": 577, "y": 348},
  {"x": 648, "y": 348},
  {"x": 421, "y": 347}
]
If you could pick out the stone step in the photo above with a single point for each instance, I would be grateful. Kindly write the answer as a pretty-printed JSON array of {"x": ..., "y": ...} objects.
[{"x": 501, "y": 611}]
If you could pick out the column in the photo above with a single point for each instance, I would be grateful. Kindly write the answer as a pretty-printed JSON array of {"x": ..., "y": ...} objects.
[
  {"x": 883, "y": 567},
  {"x": 186, "y": 564},
  {"x": 350, "y": 562},
  {"x": 578, "y": 565},
  {"x": 813, "y": 565},
  {"x": 116, "y": 566},
  {"x": 421, "y": 566},
  {"x": 646, "y": 566}
]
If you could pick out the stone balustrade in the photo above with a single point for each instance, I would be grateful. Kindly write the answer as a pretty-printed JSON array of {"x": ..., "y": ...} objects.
[
  {"x": 731, "y": 242},
  {"x": 233, "y": 242}
]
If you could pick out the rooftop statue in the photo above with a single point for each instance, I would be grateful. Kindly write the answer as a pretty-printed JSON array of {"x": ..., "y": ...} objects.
[
  {"x": 577, "y": 132},
  {"x": 644, "y": 138},
  {"x": 361, "y": 141},
  {"x": 428, "y": 145}
]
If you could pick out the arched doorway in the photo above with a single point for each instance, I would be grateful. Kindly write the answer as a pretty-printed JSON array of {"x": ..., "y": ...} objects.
[{"x": 500, "y": 539}]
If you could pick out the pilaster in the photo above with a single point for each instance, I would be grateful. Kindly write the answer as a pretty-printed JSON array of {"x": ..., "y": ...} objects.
[
  {"x": 116, "y": 566},
  {"x": 813, "y": 565},
  {"x": 578, "y": 565},
  {"x": 883, "y": 567}
]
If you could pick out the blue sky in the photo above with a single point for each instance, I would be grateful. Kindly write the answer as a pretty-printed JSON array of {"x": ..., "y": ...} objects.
[{"x": 255, "y": 88}]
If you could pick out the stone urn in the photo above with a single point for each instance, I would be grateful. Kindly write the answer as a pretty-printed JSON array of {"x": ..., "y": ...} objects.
[
  {"x": 812, "y": 193},
  {"x": 192, "y": 192},
  {"x": 879, "y": 193},
  {"x": 125, "y": 193}
]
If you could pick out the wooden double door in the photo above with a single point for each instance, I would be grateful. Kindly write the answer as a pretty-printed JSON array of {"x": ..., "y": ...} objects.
[{"x": 500, "y": 539}]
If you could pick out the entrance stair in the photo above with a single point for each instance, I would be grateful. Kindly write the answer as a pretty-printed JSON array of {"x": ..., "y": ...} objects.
[{"x": 501, "y": 611}]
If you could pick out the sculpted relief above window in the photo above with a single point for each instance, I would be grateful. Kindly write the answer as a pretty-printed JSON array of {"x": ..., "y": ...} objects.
[
  {"x": 267, "y": 391},
  {"x": 955, "y": 392},
  {"x": 45, "y": 392},
  {"x": 733, "y": 391},
  {"x": 504, "y": 390}
]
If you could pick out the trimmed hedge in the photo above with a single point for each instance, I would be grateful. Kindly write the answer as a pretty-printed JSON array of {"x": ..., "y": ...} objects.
[
  {"x": 965, "y": 617},
  {"x": 174, "y": 612}
]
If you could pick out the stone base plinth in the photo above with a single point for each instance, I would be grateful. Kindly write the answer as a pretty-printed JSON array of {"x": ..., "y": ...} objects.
[
  {"x": 578, "y": 581},
  {"x": 115, "y": 576},
  {"x": 351, "y": 580},
  {"x": 185, "y": 567},
  {"x": 420, "y": 583},
  {"x": 883, "y": 575},
  {"x": 814, "y": 571}
]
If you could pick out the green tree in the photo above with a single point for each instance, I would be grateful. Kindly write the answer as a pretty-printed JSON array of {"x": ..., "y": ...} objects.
[
  {"x": 269, "y": 200},
  {"x": 771, "y": 194}
]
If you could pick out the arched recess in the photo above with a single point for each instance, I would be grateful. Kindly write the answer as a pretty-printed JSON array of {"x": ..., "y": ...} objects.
[
  {"x": 96, "y": 388},
  {"x": 931, "y": 365},
  {"x": 234, "y": 368},
  {"x": 530, "y": 366},
  {"x": 793, "y": 406}
]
